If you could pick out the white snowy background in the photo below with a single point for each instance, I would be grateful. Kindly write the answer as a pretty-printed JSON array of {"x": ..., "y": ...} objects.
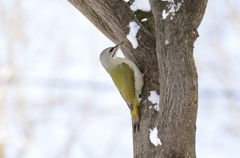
[{"x": 57, "y": 101}]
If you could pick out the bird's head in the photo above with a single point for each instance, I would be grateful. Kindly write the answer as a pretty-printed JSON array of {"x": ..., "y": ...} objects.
[{"x": 109, "y": 53}]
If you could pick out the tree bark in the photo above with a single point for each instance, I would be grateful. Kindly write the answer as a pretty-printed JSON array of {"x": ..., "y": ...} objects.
[{"x": 167, "y": 46}]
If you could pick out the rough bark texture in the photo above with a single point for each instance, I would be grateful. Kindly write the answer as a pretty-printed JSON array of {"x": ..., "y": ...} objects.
[{"x": 167, "y": 46}]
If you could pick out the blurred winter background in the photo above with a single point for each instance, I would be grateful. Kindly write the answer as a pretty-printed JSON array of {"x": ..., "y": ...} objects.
[{"x": 56, "y": 100}]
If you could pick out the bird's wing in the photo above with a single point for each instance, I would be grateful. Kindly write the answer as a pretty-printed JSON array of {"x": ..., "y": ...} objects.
[{"x": 123, "y": 78}]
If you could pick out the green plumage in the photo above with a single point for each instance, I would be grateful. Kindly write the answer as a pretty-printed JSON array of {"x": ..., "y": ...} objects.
[{"x": 123, "y": 77}]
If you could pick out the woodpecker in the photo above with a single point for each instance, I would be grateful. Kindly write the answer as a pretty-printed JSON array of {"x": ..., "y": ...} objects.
[{"x": 127, "y": 78}]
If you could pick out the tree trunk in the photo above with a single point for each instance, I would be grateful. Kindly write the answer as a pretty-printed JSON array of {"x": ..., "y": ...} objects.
[{"x": 166, "y": 44}]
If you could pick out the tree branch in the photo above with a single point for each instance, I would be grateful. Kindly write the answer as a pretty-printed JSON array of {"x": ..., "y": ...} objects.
[
  {"x": 112, "y": 18},
  {"x": 165, "y": 43},
  {"x": 175, "y": 37}
]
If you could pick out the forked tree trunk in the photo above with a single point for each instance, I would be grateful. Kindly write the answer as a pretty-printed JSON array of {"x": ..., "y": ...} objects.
[{"x": 166, "y": 44}]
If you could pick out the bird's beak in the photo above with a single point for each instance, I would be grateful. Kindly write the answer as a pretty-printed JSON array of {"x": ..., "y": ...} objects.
[{"x": 118, "y": 45}]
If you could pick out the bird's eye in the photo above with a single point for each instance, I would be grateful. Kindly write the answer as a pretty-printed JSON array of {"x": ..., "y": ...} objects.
[{"x": 110, "y": 50}]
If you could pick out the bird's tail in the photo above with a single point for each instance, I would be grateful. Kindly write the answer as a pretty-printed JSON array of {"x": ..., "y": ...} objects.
[{"x": 135, "y": 115}]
